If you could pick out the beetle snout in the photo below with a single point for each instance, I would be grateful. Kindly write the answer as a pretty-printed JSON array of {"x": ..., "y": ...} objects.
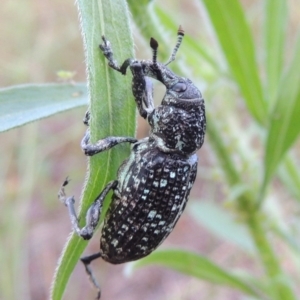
[
  {"x": 135, "y": 66},
  {"x": 137, "y": 69}
]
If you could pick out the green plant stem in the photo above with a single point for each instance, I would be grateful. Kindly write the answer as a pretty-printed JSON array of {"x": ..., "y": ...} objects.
[
  {"x": 112, "y": 113},
  {"x": 279, "y": 286},
  {"x": 231, "y": 173},
  {"x": 280, "y": 289}
]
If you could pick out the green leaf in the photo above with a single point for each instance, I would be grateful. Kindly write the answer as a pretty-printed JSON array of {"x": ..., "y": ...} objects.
[
  {"x": 275, "y": 31},
  {"x": 22, "y": 104},
  {"x": 235, "y": 38},
  {"x": 284, "y": 124},
  {"x": 220, "y": 223},
  {"x": 112, "y": 112},
  {"x": 200, "y": 267}
]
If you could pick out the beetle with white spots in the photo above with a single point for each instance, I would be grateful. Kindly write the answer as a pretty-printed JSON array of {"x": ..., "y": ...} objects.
[{"x": 153, "y": 184}]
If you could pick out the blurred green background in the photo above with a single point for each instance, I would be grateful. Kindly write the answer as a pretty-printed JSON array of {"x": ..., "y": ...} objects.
[{"x": 40, "y": 38}]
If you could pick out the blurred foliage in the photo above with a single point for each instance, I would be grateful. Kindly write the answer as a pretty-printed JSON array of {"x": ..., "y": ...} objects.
[
  {"x": 270, "y": 92},
  {"x": 245, "y": 58}
]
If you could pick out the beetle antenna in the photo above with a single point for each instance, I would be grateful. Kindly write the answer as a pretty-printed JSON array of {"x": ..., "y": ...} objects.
[
  {"x": 180, "y": 35},
  {"x": 154, "y": 47}
]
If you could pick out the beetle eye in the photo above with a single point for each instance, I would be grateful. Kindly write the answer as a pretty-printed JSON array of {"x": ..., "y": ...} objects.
[{"x": 179, "y": 87}]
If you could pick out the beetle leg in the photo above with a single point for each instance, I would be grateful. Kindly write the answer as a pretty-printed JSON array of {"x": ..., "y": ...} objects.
[
  {"x": 141, "y": 86},
  {"x": 103, "y": 144},
  {"x": 93, "y": 213},
  {"x": 86, "y": 260},
  {"x": 86, "y": 119},
  {"x": 142, "y": 89},
  {"x": 108, "y": 53}
]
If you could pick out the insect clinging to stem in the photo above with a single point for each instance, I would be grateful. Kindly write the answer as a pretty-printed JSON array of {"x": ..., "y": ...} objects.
[{"x": 152, "y": 186}]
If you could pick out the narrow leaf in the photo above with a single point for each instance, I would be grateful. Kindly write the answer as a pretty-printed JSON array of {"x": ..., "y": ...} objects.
[
  {"x": 232, "y": 30},
  {"x": 200, "y": 267},
  {"x": 26, "y": 103},
  {"x": 112, "y": 112},
  {"x": 219, "y": 222},
  {"x": 284, "y": 125},
  {"x": 275, "y": 31}
]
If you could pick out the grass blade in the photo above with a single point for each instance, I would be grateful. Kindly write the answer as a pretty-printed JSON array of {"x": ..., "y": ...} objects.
[
  {"x": 22, "y": 104},
  {"x": 206, "y": 214},
  {"x": 275, "y": 31},
  {"x": 200, "y": 267},
  {"x": 235, "y": 38},
  {"x": 284, "y": 123}
]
